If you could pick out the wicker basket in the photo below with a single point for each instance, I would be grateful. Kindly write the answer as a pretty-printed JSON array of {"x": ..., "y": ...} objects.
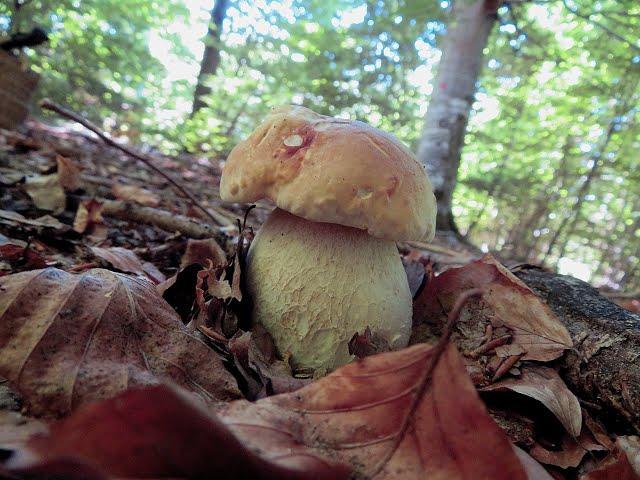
[{"x": 17, "y": 85}]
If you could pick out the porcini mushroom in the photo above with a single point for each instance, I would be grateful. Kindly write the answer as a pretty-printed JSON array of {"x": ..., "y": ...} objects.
[{"x": 325, "y": 264}]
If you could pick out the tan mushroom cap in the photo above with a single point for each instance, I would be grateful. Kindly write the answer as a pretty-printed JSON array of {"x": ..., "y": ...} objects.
[{"x": 331, "y": 170}]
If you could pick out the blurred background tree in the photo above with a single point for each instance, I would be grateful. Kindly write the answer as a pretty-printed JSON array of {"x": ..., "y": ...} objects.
[{"x": 542, "y": 155}]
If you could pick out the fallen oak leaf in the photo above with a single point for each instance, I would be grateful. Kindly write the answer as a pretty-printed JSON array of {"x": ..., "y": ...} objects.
[
  {"x": 545, "y": 385},
  {"x": 534, "y": 326},
  {"x": 67, "y": 339},
  {"x": 153, "y": 425}
]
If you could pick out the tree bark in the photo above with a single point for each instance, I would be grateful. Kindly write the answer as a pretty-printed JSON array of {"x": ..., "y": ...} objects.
[
  {"x": 603, "y": 366},
  {"x": 453, "y": 93},
  {"x": 211, "y": 56}
]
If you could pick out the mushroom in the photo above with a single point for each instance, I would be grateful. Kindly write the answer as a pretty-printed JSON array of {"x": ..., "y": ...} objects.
[{"x": 325, "y": 264}]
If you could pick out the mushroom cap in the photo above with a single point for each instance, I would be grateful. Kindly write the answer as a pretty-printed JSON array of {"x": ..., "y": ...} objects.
[
  {"x": 332, "y": 170},
  {"x": 314, "y": 285}
]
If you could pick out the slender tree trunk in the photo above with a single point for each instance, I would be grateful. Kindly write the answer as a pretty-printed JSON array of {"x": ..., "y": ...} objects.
[
  {"x": 453, "y": 92},
  {"x": 211, "y": 56}
]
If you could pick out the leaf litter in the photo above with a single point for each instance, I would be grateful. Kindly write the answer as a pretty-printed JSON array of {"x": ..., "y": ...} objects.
[{"x": 499, "y": 335}]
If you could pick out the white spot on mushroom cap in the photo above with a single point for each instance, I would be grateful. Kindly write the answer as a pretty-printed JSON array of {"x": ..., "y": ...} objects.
[{"x": 293, "y": 141}]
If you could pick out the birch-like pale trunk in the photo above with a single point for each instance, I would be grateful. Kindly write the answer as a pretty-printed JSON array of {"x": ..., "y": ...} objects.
[{"x": 453, "y": 95}]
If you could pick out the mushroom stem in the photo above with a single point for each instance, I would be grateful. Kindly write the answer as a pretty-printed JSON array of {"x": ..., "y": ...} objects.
[{"x": 315, "y": 284}]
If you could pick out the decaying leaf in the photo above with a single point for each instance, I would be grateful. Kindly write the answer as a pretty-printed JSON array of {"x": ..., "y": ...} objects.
[
  {"x": 350, "y": 417},
  {"x": 67, "y": 339},
  {"x": 23, "y": 256},
  {"x": 161, "y": 433},
  {"x": 202, "y": 251},
  {"x": 46, "y": 221},
  {"x": 534, "y": 470},
  {"x": 569, "y": 451},
  {"x": 89, "y": 219},
  {"x": 545, "y": 385},
  {"x": 46, "y": 192},
  {"x": 136, "y": 194},
  {"x": 254, "y": 354},
  {"x": 68, "y": 174},
  {"x": 622, "y": 464},
  {"x": 510, "y": 303},
  {"x": 127, "y": 261}
]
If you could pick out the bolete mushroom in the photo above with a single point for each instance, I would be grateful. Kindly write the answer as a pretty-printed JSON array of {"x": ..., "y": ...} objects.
[{"x": 325, "y": 264}]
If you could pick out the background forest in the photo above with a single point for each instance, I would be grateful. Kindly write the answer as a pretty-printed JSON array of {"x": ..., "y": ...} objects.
[{"x": 548, "y": 168}]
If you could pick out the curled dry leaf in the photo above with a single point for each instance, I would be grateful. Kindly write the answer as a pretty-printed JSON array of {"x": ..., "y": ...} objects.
[
  {"x": 622, "y": 464},
  {"x": 203, "y": 251},
  {"x": 46, "y": 192},
  {"x": 254, "y": 354},
  {"x": 127, "y": 261},
  {"x": 68, "y": 339},
  {"x": 569, "y": 451},
  {"x": 89, "y": 219},
  {"x": 350, "y": 417},
  {"x": 22, "y": 256},
  {"x": 545, "y": 385},
  {"x": 535, "y": 328},
  {"x": 46, "y": 221},
  {"x": 136, "y": 194},
  {"x": 68, "y": 174},
  {"x": 534, "y": 470}
]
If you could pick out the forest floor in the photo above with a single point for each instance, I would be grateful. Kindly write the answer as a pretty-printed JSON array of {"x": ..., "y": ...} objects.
[{"x": 567, "y": 356}]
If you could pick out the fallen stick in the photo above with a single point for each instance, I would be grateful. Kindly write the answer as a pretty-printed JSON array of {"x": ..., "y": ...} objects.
[
  {"x": 48, "y": 105},
  {"x": 603, "y": 368},
  {"x": 162, "y": 219}
]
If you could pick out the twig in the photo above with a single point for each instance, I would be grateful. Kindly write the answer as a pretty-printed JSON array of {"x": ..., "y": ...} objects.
[
  {"x": 161, "y": 219},
  {"x": 437, "y": 352},
  {"x": 610, "y": 31},
  {"x": 48, "y": 105}
]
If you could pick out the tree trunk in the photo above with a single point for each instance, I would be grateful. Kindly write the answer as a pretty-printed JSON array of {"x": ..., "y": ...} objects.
[
  {"x": 453, "y": 92},
  {"x": 211, "y": 56}
]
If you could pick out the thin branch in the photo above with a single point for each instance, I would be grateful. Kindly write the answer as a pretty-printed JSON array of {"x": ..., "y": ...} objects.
[
  {"x": 438, "y": 349},
  {"x": 48, "y": 105},
  {"x": 610, "y": 31}
]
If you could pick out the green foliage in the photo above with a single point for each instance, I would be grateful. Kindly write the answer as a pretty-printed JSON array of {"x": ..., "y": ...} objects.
[{"x": 97, "y": 60}]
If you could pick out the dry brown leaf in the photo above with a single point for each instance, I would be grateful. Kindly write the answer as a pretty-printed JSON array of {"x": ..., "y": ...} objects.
[
  {"x": 24, "y": 256},
  {"x": 353, "y": 415},
  {"x": 570, "y": 451},
  {"x": 200, "y": 251},
  {"x": 534, "y": 326},
  {"x": 46, "y": 192},
  {"x": 545, "y": 385},
  {"x": 350, "y": 417},
  {"x": 136, "y": 194},
  {"x": 46, "y": 221},
  {"x": 152, "y": 433},
  {"x": 534, "y": 470},
  {"x": 68, "y": 174},
  {"x": 89, "y": 219},
  {"x": 127, "y": 261},
  {"x": 68, "y": 339},
  {"x": 622, "y": 464}
]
